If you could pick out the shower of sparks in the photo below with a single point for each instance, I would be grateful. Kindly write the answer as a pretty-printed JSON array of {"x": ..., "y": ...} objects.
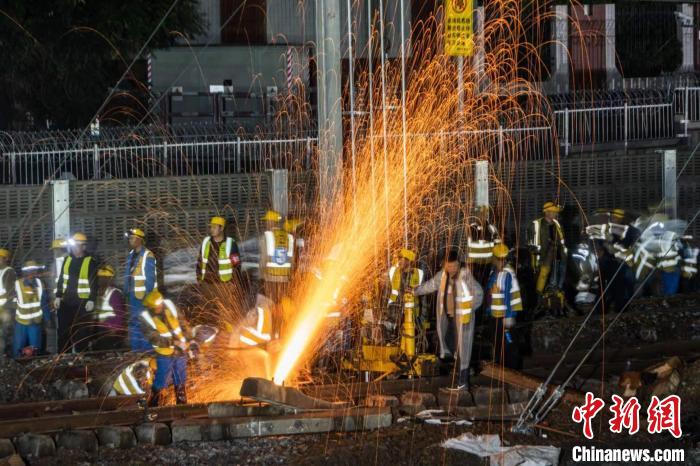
[{"x": 442, "y": 144}]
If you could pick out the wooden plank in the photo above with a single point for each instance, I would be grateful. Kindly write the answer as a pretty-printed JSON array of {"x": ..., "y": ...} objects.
[{"x": 518, "y": 379}]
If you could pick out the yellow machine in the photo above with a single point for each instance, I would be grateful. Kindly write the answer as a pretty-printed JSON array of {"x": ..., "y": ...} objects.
[{"x": 394, "y": 360}]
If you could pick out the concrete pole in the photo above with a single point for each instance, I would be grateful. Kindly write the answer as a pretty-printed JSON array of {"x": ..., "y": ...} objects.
[
  {"x": 610, "y": 69},
  {"x": 279, "y": 191},
  {"x": 481, "y": 175},
  {"x": 561, "y": 48},
  {"x": 330, "y": 124},
  {"x": 669, "y": 192},
  {"x": 687, "y": 36},
  {"x": 61, "y": 209}
]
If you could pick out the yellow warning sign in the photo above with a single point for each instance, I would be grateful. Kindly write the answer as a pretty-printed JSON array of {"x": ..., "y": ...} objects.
[{"x": 459, "y": 33}]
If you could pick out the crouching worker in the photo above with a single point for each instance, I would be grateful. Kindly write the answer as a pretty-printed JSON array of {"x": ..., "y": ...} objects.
[
  {"x": 134, "y": 379},
  {"x": 255, "y": 329},
  {"x": 161, "y": 326},
  {"x": 32, "y": 305},
  {"x": 504, "y": 303}
]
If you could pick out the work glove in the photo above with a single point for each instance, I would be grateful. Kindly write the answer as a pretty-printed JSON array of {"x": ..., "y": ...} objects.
[
  {"x": 89, "y": 306},
  {"x": 56, "y": 303},
  {"x": 509, "y": 322}
]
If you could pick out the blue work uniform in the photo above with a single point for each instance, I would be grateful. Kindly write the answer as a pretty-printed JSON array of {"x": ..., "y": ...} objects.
[
  {"x": 139, "y": 281},
  {"x": 32, "y": 305}
]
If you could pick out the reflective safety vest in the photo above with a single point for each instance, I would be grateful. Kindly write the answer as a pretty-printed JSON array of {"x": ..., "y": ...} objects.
[
  {"x": 167, "y": 325},
  {"x": 103, "y": 309},
  {"x": 4, "y": 294},
  {"x": 83, "y": 278},
  {"x": 395, "y": 274},
  {"x": 498, "y": 297},
  {"x": 279, "y": 252},
  {"x": 127, "y": 384},
  {"x": 138, "y": 275},
  {"x": 28, "y": 302},
  {"x": 463, "y": 298},
  {"x": 480, "y": 250},
  {"x": 690, "y": 262},
  {"x": 623, "y": 254},
  {"x": 261, "y": 332},
  {"x": 225, "y": 264},
  {"x": 536, "y": 240}
]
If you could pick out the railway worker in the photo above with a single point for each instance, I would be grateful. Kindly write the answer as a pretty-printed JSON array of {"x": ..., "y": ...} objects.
[
  {"x": 689, "y": 266},
  {"x": 140, "y": 280},
  {"x": 32, "y": 305},
  {"x": 503, "y": 305},
  {"x": 161, "y": 325},
  {"x": 276, "y": 256},
  {"x": 76, "y": 294},
  {"x": 458, "y": 294},
  {"x": 59, "y": 250},
  {"x": 404, "y": 277},
  {"x": 549, "y": 254},
  {"x": 482, "y": 237},
  {"x": 219, "y": 259},
  {"x": 110, "y": 312},
  {"x": 255, "y": 330},
  {"x": 134, "y": 379},
  {"x": 7, "y": 294}
]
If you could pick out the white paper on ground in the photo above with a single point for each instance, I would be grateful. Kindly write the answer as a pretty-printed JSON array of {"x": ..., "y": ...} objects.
[{"x": 490, "y": 446}]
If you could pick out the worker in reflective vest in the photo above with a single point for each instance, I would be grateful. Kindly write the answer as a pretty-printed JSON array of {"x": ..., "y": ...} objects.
[
  {"x": 276, "y": 256},
  {"x": 256, "y": 329},
  {"x": 76, "y": 294},
  {"x": 160, "y": 323},
  {"x": 134, "y": 379},
  {"x": 403, "y": 279},
  {"x": 219, "y": 258},
  {"x": 141, "y": 279},
  {"x": 7, "y": 294},
  {"x": 549, "y": 253},
  {"x": 110, "y": 312},
  {"x": 32, "y": 304},
  {"x": 689, "y": 266},
  {"x": 482, "y": 237},
  {"x": 503, "y": 305},
  {"x": 458, "y": 294}
]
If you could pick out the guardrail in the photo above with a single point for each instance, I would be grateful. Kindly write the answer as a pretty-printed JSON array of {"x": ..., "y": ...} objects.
[
  {"x": 225, "y": 153},
  {"x": 686, "y": 105},
  {"x": 621, "y": 124},
  {"x": 165, "y": 159}
]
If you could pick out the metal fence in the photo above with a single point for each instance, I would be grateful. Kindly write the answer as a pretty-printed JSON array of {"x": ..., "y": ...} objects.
[
  {"x": 622, "y": 124},
  {"x": 164, "y": 159},
  {"x": 686, "y": 105}
]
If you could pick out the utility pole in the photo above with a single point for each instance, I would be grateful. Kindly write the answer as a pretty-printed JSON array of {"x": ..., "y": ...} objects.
[{"x": 330, "y": 124}]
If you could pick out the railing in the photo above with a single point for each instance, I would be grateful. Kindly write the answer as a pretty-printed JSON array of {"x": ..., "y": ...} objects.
[
  {"x": 165, "y": 159},
  {"x": 622, "y": 124},
  {"x": 686, "y": 104}
]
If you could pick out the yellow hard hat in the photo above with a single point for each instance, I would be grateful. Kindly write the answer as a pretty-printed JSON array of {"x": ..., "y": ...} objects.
[
  {"x": 4, "y": 253},
  {"x": 291, "y": 225},
  {"x": 551, "y": 207},
  {"x": 153, "y": 299},
  {"x": 58, "y": 244},
  {"x": 407, "y": 254},
  {"x": 135, "y": 232},
  {"x": 105, "y": 271},
  {"x": 619, "y": 213},
  {"x": 272, "y": 216},
  {"x": 221, "y": 221},
  {"x": 31, "y": 266},
  {"x": 500, "y": 251},
  {"x": 79, "y": 238}
]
